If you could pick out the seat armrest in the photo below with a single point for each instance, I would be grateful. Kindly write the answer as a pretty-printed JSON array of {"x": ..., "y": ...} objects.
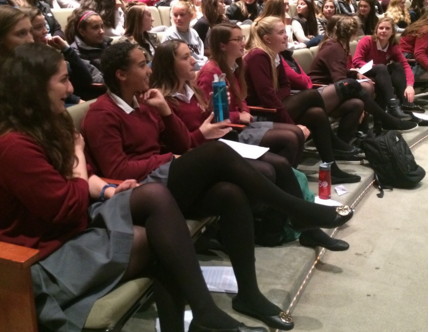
[
  {"x": 112, "y": 181},
  {"x": 14, "y": 256},
  {"x": 261, "y": 109}
]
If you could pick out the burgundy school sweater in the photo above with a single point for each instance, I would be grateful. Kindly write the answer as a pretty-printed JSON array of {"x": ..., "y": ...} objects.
[
  {"x": 128, "y": 146},
  {"x": 297, "y": 81},
  {"x": 39, "y": 207},
  {"x": 331, "y": 64},
  {"x": 192, "y": 116},
  {"x": 367, "y": 50},
  {"x": 205, "y": 80},
  {"x": 418, "y": 47},
  {"x": 260, "y": 89}
]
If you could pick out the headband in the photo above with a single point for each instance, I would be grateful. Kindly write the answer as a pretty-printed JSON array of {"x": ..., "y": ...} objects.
[{"x": 85, "y": 16}]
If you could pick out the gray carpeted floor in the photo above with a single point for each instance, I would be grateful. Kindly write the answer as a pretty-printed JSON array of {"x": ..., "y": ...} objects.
[{"x": 381, "y": 283}]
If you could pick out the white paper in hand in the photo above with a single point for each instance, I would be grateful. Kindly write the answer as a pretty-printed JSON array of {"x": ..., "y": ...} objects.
[{"x": 366, "y": 67}]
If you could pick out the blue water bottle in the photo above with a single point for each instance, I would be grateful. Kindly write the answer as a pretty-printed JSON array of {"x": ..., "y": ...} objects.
[{"x": 220, "y": 99}]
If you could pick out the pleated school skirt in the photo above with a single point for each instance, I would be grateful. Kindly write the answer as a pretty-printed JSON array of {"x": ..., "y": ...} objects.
[{"x": 68, "y": 282}]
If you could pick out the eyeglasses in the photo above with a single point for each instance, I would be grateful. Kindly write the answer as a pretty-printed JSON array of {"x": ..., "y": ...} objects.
[{"x": 239, "y": 39}]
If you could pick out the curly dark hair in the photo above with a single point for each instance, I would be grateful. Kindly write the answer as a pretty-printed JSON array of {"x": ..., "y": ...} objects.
[
  {"x": 25, "y": 105},
  {"x": 116, "y": 57}
]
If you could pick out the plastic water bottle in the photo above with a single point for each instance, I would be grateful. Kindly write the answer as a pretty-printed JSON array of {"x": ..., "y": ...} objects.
[{"x": 220, "y": 98}]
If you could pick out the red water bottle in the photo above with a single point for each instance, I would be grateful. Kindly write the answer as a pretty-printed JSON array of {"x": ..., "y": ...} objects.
[{"x": 325, "y": 180}]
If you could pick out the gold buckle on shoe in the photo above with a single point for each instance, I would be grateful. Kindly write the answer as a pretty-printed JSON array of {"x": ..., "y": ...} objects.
[
  {"x": 343, "y": 210},
  {"x": 286, "y": 318}
]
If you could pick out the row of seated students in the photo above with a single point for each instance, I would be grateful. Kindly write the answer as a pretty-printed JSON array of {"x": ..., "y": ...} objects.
[{"x": 173, "y": 107}]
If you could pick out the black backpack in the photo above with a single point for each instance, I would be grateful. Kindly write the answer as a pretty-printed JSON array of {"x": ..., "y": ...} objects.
[{"x": 392, "y": 161}]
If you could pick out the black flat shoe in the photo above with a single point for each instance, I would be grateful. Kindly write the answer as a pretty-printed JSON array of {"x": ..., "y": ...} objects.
[
  {"x": 282, "y": 321},
  {"x": 334, "y": 245},
  {"x": 350, "y": 153},
  {"x": 344, "y": 214},
  {"x": 350, "y": 179},
  {"x": 242, "y": 328}
]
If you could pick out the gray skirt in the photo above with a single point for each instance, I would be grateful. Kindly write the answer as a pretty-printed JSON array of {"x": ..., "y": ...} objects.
[
  {"x": 68, "y": 282},
  {"x": 159, "y": 174},
  {"x": 254, "y": 132}
]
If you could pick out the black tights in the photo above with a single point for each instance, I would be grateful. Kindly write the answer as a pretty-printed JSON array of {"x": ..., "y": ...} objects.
[
  {"x": 160, "y": 226},
  {"x": 285, "y": 140},
  {"x": 386, "y": 78}
]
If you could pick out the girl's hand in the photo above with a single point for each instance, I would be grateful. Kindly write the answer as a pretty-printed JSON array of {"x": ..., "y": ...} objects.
[
  {"x": 246, "y": 117},
  {"x": 409, "y": 93},
  {"x": 58, "y": 43},
  {"x": 305, "y": 130},
  {"x": 363, "y": 77},
  {"x": 127, "y": 184},
  {"x": 79, "y": 142},
  {"x": 154, "y": 98},
  {"x": 214, "y": 130}
]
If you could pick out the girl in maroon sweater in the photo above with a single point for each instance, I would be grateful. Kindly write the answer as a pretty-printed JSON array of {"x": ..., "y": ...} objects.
[
  {"x": 268, "y": 86},
  {"x": 45, "y": 192},
  {"x": 390, "y": 70},
  {"x": 188, "y": 105},
  {"x": 332, "y": 65},
  {"x": 211, "y": 179}
]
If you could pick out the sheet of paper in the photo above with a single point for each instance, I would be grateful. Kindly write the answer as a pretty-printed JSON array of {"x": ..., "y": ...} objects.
[
  {"x": 246, "y": 150},
  {"x": 220, "y": 279},
  {"x": 341, "y": 190},
  {"x": 327, "y": 202},
  {"x": 423, "y": 116},
  {"x": 366, "y": 67},
  {"x": 364, "y": 80},
  {"x": 188, "y": 319}
]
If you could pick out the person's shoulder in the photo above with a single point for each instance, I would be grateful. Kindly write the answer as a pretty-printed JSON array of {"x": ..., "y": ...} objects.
[
  {"x": 210, "y": 67},
  {"x": 13, "y": 143}
]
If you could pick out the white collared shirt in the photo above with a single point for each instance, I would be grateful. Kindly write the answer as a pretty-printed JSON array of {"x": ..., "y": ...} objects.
[
  {"x": 380, "y": 48},
  {"x": 184, "y": 97},
  {"x": 122, "y": 104},
  {"x": 277, "y": 60},
  {"x": 234, "y": 67}
]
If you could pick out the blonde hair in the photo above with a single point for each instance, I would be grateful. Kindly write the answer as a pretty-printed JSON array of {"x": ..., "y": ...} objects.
[
  {"x": 396, "y": 13},
  {"x": 190, "y": 7},
  {"x": 258, "y": 30}
]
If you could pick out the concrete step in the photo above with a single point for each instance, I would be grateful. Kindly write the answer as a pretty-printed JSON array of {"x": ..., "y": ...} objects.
[{"x": 284, "y": 271}]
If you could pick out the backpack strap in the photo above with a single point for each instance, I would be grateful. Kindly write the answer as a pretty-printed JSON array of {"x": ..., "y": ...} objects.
[{"x": 380, "y": 186}]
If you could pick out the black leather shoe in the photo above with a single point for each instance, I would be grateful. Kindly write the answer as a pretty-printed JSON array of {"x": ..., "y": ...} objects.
[
  {"x": 333, "y": 245},
  {"x": 395, "y": 110},
  {"x": 342, "y": 153},
  {"x": 282, "y": 321},
  {"x": 344, "y": 214},
  {"x": 242, "y": 328},
  {"x": 349, "y": 179}
]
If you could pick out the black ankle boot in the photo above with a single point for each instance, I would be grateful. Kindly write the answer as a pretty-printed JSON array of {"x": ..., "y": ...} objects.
[{"x": 394, "y": 109}]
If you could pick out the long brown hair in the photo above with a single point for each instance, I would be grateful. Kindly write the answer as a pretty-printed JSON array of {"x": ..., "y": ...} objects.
[
  {"x": 370, "y": 22},
  {"x": 340, "y": 28},
  {"x": 210, "y": 10},
  {"x": 419, "y": 28},
  {"x": 273, "y": 8},
  {"x": 166, "y": 80},
  {"x": 77, "y": 19},
  {"x": 25, "y": 106},
  {"x": 134, "y": 21},
  {"x": 221, "y": 34},
  {"x": 392, "y": 39},
  {"x": 9, "y": 17}
]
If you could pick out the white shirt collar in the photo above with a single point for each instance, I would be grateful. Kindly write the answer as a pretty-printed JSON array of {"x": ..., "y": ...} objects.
[
  {"x": 234, "y": 67},
  {"x": 184, "y": 97},
  {"x": 122, "y": 104},
  {"x": 380, "y": 48},
  {"x": 277, "y": 60}
]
